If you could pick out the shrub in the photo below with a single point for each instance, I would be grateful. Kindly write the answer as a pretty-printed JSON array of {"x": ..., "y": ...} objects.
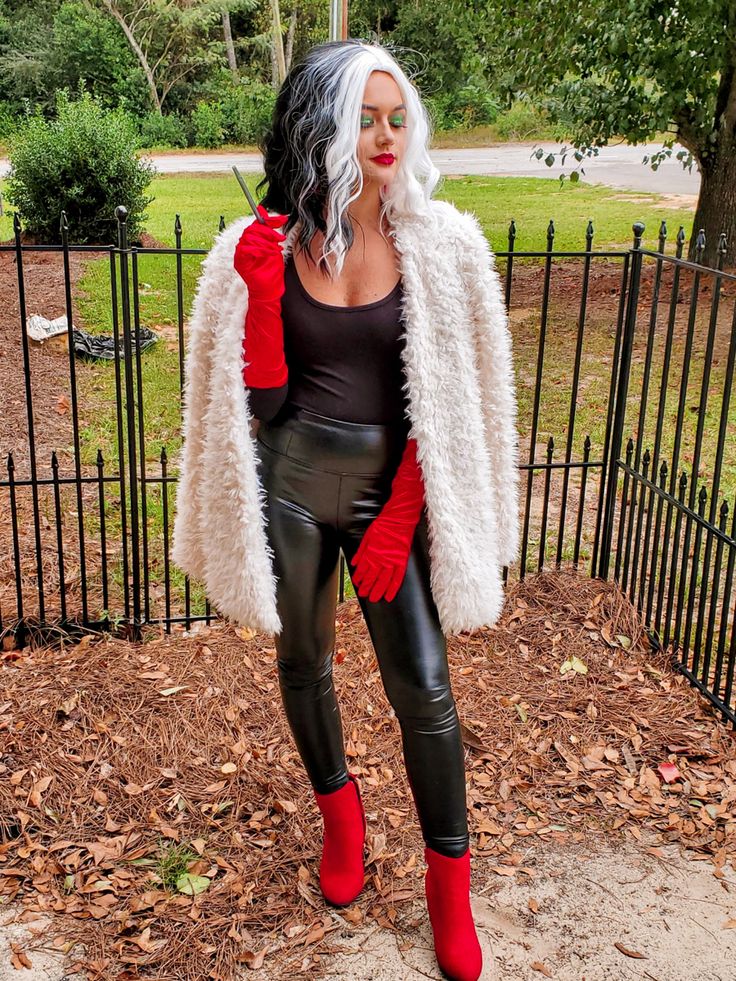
[
  {"x": 208, "y": 124},
  {"x": 247, "y": 111},
  {"x": 158, "y": 130},
  {"x": 81, "y": 162},
  {"x": 471, "y": 105},
  {"x": 522, "y": 122},
  {"x": 8, "y": 121}
]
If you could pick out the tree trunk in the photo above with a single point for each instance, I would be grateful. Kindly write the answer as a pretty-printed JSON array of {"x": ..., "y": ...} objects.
[
  {"x": 290, "y": 39},
  {"x": 278, "y": 41},
  {"x": 140, "y": 55},
  {"x": 275, "y": 84},
  {"x": 229, "y": 46},
  {"x": 716, "y": 210}
]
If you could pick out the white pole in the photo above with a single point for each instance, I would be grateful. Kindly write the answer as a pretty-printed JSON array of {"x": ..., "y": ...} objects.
[{"x": 335, "y": 20}]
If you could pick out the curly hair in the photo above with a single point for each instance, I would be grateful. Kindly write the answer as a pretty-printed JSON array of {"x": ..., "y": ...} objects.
[{"x": 310, "y": 151}]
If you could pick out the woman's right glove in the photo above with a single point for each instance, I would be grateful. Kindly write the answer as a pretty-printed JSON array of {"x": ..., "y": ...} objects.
[{"x": 260, "y": 263}]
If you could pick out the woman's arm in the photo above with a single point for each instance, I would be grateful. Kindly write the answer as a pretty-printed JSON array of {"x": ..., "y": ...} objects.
[
  {"x": 266, "y": 402},
  {"x": 259, "y": 261},
  {"x": 493, "y": 346}
]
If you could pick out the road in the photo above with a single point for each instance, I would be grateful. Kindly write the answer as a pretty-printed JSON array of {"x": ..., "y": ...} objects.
[{"x": 616, "y": 166}]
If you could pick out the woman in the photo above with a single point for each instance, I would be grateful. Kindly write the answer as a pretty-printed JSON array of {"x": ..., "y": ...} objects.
[{"x": 354, "y": 361}]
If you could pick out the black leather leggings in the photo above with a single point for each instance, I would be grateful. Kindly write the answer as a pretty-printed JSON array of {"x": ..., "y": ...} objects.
[{"x": 325, "y": 481}]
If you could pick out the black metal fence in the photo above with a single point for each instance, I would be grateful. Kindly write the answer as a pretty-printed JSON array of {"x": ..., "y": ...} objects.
[{"x": 625, "y": 364}]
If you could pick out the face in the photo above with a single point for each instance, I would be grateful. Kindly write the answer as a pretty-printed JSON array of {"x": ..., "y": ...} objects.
[{"x": 382, "y": 129}]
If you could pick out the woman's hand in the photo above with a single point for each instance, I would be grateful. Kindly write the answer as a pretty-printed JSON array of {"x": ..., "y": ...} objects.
[
  {"x": 383, "y": 554},
  {"x": 259, "y": 259}
]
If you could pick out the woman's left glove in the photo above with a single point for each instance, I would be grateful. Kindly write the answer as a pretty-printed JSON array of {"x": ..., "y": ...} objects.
[{"x": 383, "y": 554}]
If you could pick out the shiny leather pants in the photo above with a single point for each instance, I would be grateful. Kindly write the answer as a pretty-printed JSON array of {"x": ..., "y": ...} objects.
[{"x": 325, "y": 480}]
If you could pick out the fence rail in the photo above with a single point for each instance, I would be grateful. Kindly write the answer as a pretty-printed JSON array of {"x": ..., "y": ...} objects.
[{"x": 625, "y": 363}]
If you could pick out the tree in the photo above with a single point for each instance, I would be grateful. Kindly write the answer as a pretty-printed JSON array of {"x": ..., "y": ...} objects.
[
  {"x": 656, "y": 67},
  {"x": 171, "y": 38}
]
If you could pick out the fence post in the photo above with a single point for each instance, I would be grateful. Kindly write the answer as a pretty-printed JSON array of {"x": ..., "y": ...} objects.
[
  {"x": 121, "y": 213},
  {"x": 622, "y": 388}
]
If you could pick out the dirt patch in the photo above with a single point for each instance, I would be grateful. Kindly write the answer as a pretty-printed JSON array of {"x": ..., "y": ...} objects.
[
  {"x": 114, "y": 755},
  {"x": 671, "y": 200},
  {"x": 536, "y": 924}
]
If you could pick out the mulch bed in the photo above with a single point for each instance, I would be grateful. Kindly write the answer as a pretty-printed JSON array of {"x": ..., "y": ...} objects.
[{"x": 120, "y": 760}]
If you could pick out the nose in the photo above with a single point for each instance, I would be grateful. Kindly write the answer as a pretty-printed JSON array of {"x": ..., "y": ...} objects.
[{"x": 386, "y": 138}]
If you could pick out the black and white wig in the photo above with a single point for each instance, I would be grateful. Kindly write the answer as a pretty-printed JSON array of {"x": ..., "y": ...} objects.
[{"x": 312, "y": 170}]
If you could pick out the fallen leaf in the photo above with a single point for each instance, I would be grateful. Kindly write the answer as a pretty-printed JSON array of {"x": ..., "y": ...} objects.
[
  {"x": 192, "y": 885},
  {"x": 669, "y": 772}
]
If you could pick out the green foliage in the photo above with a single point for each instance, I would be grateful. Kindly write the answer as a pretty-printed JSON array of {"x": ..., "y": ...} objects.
[
  {"x": 8, "y": 120},
  {"x": 82, "y": 162},
  {"x": 173, "y": 863},
  {"x": 50, "y": 46},
  {"x": 158, "y": 130},
  {"x": 208, "y": 124},
  {"x": 90, "y": 48},
  {"x": 247, "y": 109},
  {"x": 648, "y": 69},
  {"x": 522, "y": 121},
  {"x": 445, "y": 42},
  {"x": 462, "y": 108}
]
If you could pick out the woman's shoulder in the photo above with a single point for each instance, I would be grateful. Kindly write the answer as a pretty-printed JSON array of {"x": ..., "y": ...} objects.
[
  {"x": 450, "y": 218},
  {"x": 444, "y": 224}
]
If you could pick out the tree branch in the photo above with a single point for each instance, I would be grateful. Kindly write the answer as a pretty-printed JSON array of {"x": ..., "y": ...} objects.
[
  {"x": 687, "y": 133},
  {"x": 115, "y": 13}
]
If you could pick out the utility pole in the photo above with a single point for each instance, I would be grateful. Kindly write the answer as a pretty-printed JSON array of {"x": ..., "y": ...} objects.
[{"x": 338, "y": 20}]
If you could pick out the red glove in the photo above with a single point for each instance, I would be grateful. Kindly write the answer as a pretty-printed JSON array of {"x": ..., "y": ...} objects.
[
  {"x": 260, "y": 262},
  {"x": 383, "y": 554}
]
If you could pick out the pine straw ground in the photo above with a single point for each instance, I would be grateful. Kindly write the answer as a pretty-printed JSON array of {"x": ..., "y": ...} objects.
[{"x": 125, "y": 766}]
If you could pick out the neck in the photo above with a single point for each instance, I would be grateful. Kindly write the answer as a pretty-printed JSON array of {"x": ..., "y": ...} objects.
[{"x": 366, "y": 209}]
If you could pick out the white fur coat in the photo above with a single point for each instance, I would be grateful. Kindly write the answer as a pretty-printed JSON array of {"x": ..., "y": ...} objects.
[{"x": 462, "y": 408}]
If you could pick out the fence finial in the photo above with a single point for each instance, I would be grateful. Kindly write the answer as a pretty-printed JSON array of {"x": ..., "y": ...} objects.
[{"x": 638, "y": 230}]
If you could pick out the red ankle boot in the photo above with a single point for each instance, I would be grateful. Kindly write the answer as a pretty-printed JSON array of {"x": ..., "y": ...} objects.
[
  {"x": 341, "y": 870},
  {"x": 447, "y": 887}
]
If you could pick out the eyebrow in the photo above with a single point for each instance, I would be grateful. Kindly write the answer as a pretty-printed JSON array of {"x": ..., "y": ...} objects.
[{"x": 375, "y": 108}]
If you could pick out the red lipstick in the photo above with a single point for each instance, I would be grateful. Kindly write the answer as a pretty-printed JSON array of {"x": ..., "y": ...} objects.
[{"x": 384, "y": 158}]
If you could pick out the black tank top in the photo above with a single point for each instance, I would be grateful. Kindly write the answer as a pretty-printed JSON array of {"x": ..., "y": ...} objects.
[{"x": 344, "y": 362}]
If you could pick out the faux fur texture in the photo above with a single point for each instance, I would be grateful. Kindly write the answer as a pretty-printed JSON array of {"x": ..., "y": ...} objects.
[{"x": 462, "y": 408}]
